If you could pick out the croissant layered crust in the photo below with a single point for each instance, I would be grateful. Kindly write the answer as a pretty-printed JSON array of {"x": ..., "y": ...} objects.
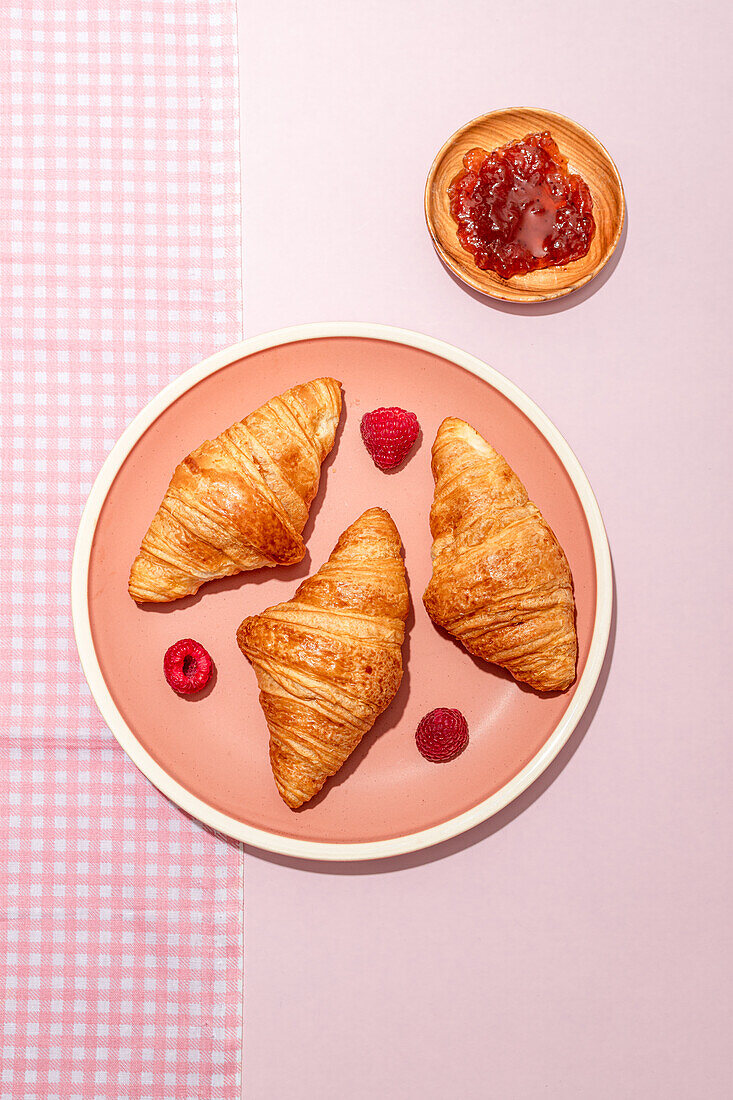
[
  {"x": 501, "y": 583},
  {"x": 240, "y": 501},
  {"x": 329, "y": 661}
]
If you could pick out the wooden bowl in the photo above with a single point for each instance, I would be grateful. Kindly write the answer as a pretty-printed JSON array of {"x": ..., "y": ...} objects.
[{"x": 585, "y": 155}]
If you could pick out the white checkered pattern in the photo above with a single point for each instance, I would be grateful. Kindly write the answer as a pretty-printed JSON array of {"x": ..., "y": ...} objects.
[{"x": 119, "y": 244}]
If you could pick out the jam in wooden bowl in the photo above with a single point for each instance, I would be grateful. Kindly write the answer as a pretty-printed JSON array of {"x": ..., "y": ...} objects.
[
  {"x": 519, "y": 209},
  {"x": 524, "y": 205}
]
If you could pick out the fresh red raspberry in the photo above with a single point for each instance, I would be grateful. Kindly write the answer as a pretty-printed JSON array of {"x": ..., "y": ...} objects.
[
  {"x": 388, "y": 435},
  {"x": 442, "y": 735},
  {"x": 187, "y": 666}
]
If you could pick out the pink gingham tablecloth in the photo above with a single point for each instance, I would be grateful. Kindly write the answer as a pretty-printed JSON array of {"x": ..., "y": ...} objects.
[{"x": 120, "y": 930}]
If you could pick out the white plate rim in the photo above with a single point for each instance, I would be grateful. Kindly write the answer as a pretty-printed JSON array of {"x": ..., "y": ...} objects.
[{"x": 292, "y": 846}]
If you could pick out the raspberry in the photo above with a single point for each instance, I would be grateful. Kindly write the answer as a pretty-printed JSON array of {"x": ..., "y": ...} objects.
[
  {"x": 388, "y": 435},
  {"x": 187, "y": 666},
  {"x": 442, "y": 735}
]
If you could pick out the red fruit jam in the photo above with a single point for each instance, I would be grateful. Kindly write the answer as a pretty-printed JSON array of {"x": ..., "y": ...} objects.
[{"x": 518, "y": 208}]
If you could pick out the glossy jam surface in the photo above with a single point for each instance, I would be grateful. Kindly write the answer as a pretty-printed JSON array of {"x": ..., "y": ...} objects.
[{"x": 518, "y": 208}]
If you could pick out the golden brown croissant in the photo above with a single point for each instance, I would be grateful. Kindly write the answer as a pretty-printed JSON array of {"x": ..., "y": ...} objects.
[
  {"x": 501, "y": 583},
  {"x": 329, "y": 661},
  {"x": 240, "y": 501}
]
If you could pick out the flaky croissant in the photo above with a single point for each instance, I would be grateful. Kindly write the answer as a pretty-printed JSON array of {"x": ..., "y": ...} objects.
[
  {"x": 501, "y": 583},
  {"x": 329, "y": 661},
  {"x": 240, "y": 501}
]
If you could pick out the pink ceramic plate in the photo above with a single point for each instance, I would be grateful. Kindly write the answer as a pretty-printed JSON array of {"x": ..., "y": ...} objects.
[{"x": 209, "y": 753}]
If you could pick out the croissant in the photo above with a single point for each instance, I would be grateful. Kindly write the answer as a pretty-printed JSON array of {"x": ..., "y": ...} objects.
[
  {"x": 329, "y": 661},
  {"x": 240, "y": 501},
  {"x": 501, "y": 583}
]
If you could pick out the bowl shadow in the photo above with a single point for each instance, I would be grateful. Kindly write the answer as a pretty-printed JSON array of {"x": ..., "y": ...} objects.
[{"x": 556, "y": 305}]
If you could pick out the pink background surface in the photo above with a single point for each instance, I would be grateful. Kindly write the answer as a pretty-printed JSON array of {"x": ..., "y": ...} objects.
[{"x": 580, "y": 945}]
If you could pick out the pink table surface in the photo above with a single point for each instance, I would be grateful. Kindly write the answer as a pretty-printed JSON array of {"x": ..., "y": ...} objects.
[{"x": 579, "y": 945}]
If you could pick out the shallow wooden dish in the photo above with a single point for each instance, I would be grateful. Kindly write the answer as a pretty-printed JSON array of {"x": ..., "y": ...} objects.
[{"x": 585, "y": 155}]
